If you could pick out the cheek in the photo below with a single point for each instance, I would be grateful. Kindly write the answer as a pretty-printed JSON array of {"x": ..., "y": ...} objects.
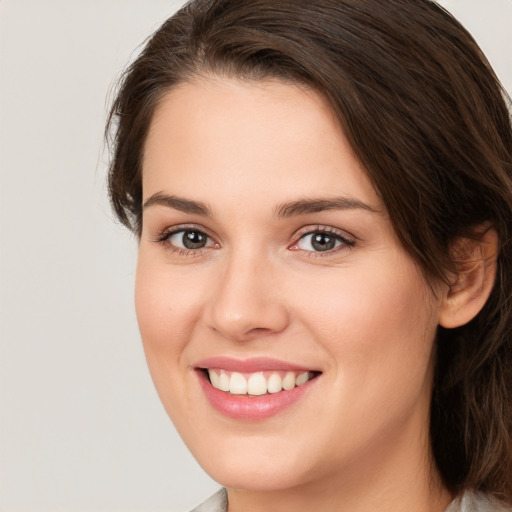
[
  {"x": 378, "y": 325},
  {"x": 167, "y": 310},
  {"x": 370, "y": 302}
]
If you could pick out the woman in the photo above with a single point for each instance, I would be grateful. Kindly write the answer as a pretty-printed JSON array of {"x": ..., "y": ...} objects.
[{"x": 322, "y": 194}]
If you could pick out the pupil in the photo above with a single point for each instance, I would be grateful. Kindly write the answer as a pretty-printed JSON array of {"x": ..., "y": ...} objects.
[
  {"x": 322, "y": 242},
  {"x": 193, "y": 240}
]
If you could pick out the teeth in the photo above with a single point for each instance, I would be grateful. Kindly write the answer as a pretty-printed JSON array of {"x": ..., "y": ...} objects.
[
  {"x": 215, "y": 379},
  {"x": 274, "y": 383},
  {"x": 289, "y": 381},
  {"x": 302, "y": 378},
  {"x": 224, "y": 382},
  {"x": 237, "y": 384},
  {"x": 256, "y": 384}
]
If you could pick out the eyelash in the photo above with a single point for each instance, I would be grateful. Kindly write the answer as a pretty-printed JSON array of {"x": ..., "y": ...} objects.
[
  {"x": 164, "y": 237},
  {"x": 344, "y": 240}
]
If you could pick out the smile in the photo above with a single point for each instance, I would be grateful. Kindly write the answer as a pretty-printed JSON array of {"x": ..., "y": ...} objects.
[
  {"x": 254, "y": 389},
  {"x": 258, "y": 383}
]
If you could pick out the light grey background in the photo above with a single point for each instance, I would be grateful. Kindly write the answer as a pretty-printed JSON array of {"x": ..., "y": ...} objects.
[{"x": 81, "y": 427}]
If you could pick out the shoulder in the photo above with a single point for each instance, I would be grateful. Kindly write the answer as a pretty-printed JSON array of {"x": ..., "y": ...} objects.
[
  {"x": 216, "y": 503},
  {"x": 476, "y": 502}
]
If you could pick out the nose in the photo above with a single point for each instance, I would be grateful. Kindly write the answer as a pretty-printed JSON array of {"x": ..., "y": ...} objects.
[{"x": 246, "y": 302}]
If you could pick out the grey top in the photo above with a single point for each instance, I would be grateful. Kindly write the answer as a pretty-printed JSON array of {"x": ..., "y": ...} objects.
[
  {"x": 476, "y": 502},
  {"x": 216, "y": 503},
  {"x": 468, "y": 502}
]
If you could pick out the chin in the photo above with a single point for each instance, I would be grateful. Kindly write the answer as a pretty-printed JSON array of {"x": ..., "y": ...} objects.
[
  {"x": 256, "y": 465},
  {"x": 252, "y": 477}
]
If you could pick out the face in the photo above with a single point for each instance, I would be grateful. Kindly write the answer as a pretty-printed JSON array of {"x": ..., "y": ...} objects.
[{"x": 288, "y": 333}]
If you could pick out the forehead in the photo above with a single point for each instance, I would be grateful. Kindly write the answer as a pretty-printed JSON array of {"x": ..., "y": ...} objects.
[{"x": 258, "y": 138}]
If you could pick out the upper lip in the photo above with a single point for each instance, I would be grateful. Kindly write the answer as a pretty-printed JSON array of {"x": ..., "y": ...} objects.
[{"x": 254, "y": 364}]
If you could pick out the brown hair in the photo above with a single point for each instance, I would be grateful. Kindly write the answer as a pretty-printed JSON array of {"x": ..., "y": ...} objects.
[{"x": 426, "y": 116}]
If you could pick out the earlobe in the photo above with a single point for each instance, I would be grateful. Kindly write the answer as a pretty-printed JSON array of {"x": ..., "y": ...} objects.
[{"x": 471, "y": 285}]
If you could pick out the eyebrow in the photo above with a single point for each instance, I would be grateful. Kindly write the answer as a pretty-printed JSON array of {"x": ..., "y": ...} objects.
[
  {"x": 178, "y": 203},
  {"x": 284, "y": 210},
  {"x": 307, "y": 206}
]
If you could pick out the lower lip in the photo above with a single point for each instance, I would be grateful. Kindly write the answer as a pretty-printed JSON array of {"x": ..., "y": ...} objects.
[{"x": 244, "y": 407}]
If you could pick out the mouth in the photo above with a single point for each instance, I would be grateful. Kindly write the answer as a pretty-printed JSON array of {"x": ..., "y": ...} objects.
[
  {"x": 257, "y": 383},
  {"x": 254, "y": 389}
]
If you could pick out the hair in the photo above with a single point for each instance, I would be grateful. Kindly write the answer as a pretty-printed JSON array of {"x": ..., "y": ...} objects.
[{"x": 426, "y": 116}]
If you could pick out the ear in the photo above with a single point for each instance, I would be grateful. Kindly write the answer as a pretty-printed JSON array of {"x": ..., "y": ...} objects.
[{"x": 472, "y": 284}]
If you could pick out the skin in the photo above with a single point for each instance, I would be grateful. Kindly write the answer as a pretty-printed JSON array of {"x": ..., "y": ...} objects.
[{"x": 362, "y": 314}]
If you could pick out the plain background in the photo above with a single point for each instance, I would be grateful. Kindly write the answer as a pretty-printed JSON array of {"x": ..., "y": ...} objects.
[{"x": 81, "y": 427}]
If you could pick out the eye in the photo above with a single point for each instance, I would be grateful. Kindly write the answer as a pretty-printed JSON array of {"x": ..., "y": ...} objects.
[
  {"x": 321, "y": 240},
  {"x": 187, "y": 239}
]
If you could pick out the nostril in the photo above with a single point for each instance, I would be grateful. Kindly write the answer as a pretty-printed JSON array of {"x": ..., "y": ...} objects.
[{"x": 258, "y": 331}]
